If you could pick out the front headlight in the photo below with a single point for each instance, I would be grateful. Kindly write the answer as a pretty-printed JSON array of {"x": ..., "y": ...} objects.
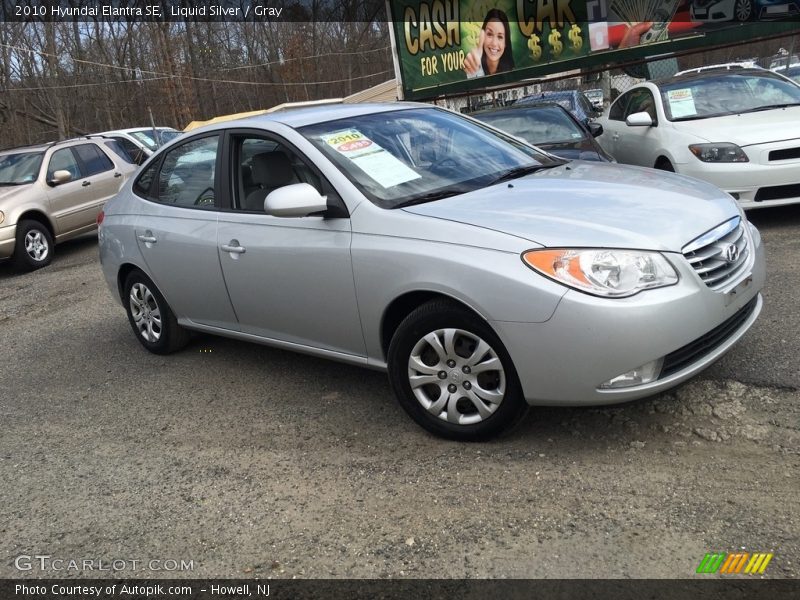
[
  {"x": 722, "y": 152},
  {"x": 603, "y": 272}
]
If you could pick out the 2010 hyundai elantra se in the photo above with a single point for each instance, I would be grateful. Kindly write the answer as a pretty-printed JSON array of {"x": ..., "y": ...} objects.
[{"x": 482, "y": 274}]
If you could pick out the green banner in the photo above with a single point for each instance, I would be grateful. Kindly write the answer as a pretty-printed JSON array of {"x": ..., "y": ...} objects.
[{"x": 449, "y": 46}]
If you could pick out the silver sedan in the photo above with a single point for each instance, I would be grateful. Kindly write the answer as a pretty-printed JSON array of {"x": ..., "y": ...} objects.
[{"x": 483, "y": 274}]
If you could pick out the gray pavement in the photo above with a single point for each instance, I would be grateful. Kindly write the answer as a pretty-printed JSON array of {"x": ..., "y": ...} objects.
[{"x": 245, "y": 461}]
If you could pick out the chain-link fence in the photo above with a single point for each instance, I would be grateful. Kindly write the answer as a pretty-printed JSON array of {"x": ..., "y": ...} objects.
[{"x": 779, "y": 54}]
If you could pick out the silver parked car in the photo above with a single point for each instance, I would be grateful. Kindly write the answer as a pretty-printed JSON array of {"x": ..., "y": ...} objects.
[{"x": 482, "y": 274}]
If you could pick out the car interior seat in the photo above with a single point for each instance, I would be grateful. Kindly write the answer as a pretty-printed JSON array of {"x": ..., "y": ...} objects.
[{"x": 270, "y": 171}]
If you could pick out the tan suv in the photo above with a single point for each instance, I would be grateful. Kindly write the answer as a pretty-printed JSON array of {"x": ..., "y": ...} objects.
[{"x": 54, "y": 192}]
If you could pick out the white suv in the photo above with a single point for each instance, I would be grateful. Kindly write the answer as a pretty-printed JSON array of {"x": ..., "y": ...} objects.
[{"x": 141, "y": 142}]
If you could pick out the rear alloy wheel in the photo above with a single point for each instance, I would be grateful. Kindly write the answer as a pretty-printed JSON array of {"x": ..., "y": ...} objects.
[
  {"x": 34, "y": 246},
  {"x": 150, "y": 316},
  {"x": 452, "y": 374}
]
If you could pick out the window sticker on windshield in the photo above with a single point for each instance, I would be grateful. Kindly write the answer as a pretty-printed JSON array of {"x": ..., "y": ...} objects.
[
  {"x": 368, "y": 156},
  {"x": 681, "y": 103}
]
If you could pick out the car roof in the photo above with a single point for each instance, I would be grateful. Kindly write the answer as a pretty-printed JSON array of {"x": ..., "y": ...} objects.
[
  {"x": 520, "y": 107},
  {"x": 710, "y": 72},
  {"x": 47, "y": 145},
  {"x": 300, "y": 117},
  {"x": 135, "y": 129}
]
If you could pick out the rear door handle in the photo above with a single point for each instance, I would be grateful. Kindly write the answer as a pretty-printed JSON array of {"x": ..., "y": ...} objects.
[
  {"x": 85, "y": 183},
  {"x": 615, "y": 137},
  {"x": 117, "y": 174},
  {"x": 147, "y": 239},
  {"x": 233, "y": 247}
]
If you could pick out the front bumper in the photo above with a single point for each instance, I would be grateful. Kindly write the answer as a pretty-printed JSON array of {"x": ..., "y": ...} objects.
[
  {"x": 8, "y": 238},
  {"x": 591, "y": 340},
  {"x": 759, "y": 183}
]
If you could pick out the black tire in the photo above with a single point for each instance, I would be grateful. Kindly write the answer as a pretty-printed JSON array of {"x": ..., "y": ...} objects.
[
  {"x": 33, "y": 248},
  {"x": 664, "y": 165},
  {"x": 439, "y": 316},
  {"x": 743, "y": 10},
  {"x": 153, "y": 322}
]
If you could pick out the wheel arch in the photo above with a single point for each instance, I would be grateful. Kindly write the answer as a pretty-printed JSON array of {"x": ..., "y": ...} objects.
[
  {"x": 125, "y": 269},
  {"x": 402, "y": 306},
  {"x": 661, "y": 159},
  {"x": 39, "y": 216}
]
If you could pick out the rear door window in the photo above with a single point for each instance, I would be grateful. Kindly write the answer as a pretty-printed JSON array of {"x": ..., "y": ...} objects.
[
  {"x": 187, "y": 175},
  {"x": 93, "y": 158}
]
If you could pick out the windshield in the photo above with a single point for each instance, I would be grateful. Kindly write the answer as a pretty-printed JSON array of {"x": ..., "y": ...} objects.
[
  {"x": 726, "y": 94},
  {"x": 407, "y": 156},
  {"x": 20, "y": 168},
  {"x": 145, "y": 136},
  {"x": 541, "y": 125}
]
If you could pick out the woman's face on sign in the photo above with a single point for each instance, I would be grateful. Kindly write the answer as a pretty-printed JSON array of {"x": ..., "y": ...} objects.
[{"x": 494, "y": 43}]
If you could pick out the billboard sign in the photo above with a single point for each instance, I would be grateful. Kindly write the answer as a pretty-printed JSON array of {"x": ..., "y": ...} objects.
[{"x": 448, "y": 46}]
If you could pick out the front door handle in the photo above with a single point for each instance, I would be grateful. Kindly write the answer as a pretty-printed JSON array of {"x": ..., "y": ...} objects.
[
  {"x": 148, "y": 238},
  {"x": 233, "y": 247},
  {"x": 85, "y": 183}
]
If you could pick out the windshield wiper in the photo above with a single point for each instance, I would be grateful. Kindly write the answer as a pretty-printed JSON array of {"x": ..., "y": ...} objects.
[
  {"x": 519, "y": 172},
  {"x": 14, "y": 182},
  {"x": 431, "y": 196},
  {"x": 769, "y": 107}
]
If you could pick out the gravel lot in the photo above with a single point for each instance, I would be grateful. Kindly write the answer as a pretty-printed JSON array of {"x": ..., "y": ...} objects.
[{"x": 251, "y": 461}]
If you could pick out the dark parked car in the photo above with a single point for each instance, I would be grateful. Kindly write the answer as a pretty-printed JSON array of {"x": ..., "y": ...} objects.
[
  {"x": 574, "y": 101},
  {"x": 550, "y": 127}
]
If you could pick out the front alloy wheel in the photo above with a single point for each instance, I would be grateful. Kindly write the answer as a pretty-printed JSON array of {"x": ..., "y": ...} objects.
[
  {"x": 452, "y": 375},
  {"x": 456, "y": 376},
  {"x": 34, "y": 246},
  {"x": 743, "y": 10}
]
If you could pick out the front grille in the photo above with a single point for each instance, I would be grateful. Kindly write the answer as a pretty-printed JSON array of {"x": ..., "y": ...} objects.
[
  {"x": 785, "y": 154},
  {"x": 720, "y": 255},
  {"x": 690, "y": 353},
  {"x": 778, "y": 192}
]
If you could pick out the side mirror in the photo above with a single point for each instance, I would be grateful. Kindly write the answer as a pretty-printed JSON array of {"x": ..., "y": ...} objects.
[
  {"x": 640, "y": 119},
  {"x": 596, "y": 129},
  {"x": 60, "y": 176},
  {"x": 296, "y": 200}
]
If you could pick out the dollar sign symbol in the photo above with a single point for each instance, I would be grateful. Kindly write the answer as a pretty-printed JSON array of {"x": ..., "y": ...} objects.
[
  {"x": 575, "y": 38},
  {"x": 535, "y": 48},
  {"x": 555, "y": 42}
]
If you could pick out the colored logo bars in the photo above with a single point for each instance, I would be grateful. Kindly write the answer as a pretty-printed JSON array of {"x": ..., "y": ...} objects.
[{"x": 739, "y": 562}]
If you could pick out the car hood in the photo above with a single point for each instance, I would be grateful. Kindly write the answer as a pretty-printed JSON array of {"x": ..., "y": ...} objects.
[
  {"x": 9, "y": 192},
  {"x": 593, "y": 205},
  {"x": 747, "y": 129},
  {"x": 577, "y": 150}
]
